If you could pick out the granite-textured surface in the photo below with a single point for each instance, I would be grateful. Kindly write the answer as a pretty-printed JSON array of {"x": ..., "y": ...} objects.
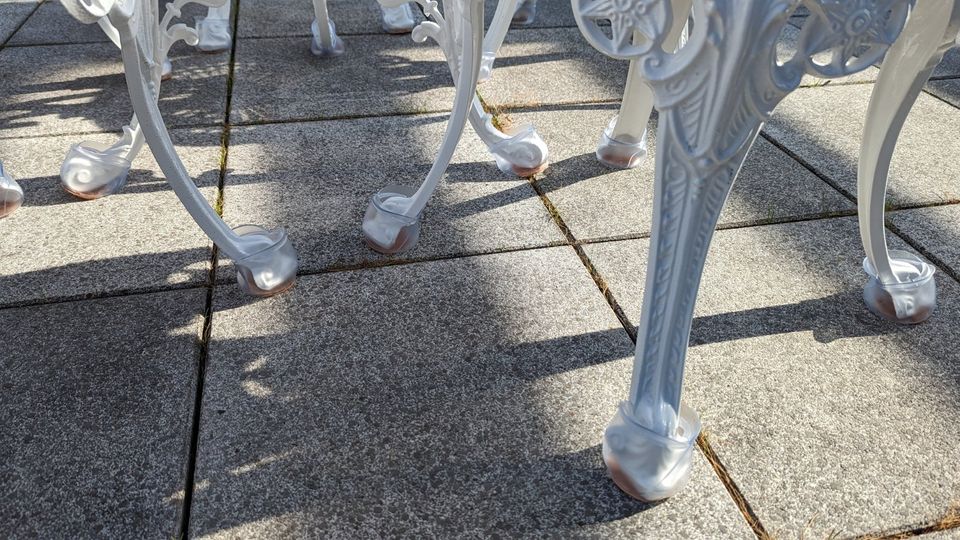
[
  {"x": 329, "y": 411},
  {"x": 824, "y": 127},
  {"x": 596, "y": 201},
  {"x": 552, "y": 66},
  {"x": 12, "y": 15},
  {"x": 277, "y": 79},
  {"x": 96, "y": 405},
  {"x": 82, "y": 89},
  {"x": 934, "y": 230},
  {"x": 829, "y": 420},
  {"x": 140, "y": 238},
  {"x": 315, "y": 180}
]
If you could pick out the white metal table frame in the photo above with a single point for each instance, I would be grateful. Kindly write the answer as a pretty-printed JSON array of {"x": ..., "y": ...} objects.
[{"x": 713, "y": 96}]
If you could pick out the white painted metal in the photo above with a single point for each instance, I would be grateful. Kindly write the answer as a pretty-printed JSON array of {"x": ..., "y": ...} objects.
[
  {"x": 266, "y": 261},
  {"x": 11, "y": 194}
]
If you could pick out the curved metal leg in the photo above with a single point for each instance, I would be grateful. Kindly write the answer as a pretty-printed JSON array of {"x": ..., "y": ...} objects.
[
  {"x": 392, "y": 221},
  {"x": 713, "y": 97},
  {"x": 623, "y": 144},
  {"x": 495, "y": 36},
  {"x": 325, "y": 42},
  {"x": 397, "y": 19},
  {"x": 901, "y": 287},
  {"x": 521, "y": 152},
  {"x": 11, "y": 194},
  {"x": 266, "y": 261},
  {"x": 213, "y": 31}
]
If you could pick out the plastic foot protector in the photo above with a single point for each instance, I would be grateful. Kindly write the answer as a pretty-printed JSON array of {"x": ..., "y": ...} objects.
[
  {"x": 91, "y": 170},
  {"x": 397, "y": 20},
  {"x": 621, "y": 154},
  {"x": 271, "y": 269},
  {"x": 213, "y": 34},
  {"x": 909, "y": 301},
  {"x": 11, "y": 194},
  {"x": 644, "y": 464},
  {"x": 523, "y": 154},
  {"x": 385, "y": 226},
  {"x": 166, "y": 72},
  {"x": 336, "y": 47},
  {"x": 526, "y": 12}
]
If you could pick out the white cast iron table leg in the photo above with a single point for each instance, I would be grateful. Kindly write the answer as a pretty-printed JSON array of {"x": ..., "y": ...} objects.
[
  {"x": 392, "y": 221},
  {"x": 713, "y": 97},
  {"x": 623, "y": 144},
  {"x": 397, "y": 19},
  {"x": 901, "y": 287},
  {"x": 213, "y": 31},
  {"x": 325, "y": 42}
]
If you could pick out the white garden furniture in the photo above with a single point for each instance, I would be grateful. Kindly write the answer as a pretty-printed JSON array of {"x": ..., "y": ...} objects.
[
  {"x": 713, "y": 96},
  {"x": 11, "y": 195},
  {"x": 265, "y": 260}
]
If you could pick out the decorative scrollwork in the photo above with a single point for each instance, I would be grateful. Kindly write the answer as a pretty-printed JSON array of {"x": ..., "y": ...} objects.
[
  {"x": 854, "y": 33},
  {"x": 650, "y": 19}
]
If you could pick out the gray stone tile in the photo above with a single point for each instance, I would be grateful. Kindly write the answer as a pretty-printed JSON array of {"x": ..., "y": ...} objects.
[
  {"x": 278, "y": 79},
  {"x": 57, "y": 246},
  {"x": 945, "y": 89},
  {"x": 829, "y": 420},
  {"x": 316, "y": 179},
  {"x": 96, "y": 415},
  {"x": 82, "y": 89},
  {"x": 552, "y": 66},
  {"x": 279, "y": 18},
  {"x": 52, "y": 25},
  {"x": 936, "y": 230},
  {"x": 12, "y": 15},
  {"x": 475, "y": 408},
  {"x": 824, "y": 126},
  {"x": 550, "y": 14},
  {"x": 596, "y": 202},
  {"x": 950, "y": 65}
]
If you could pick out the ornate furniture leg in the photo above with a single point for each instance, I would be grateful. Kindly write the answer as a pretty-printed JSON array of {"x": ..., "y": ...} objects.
[
  {"x": 623, "y": 144},
  {"x": 213, "y": 31},
  {"x": 713, "y": 97},
  {"x": 398, "y": 19},
  {"x": 266, "y": 261},
  {"x": 92, "y": 170},
  {"x": 11, "y": 194},
  {"x": 325, "y": 41},
  {"x": 901, "y": 287},
  {"x": 392, "y": 221}
]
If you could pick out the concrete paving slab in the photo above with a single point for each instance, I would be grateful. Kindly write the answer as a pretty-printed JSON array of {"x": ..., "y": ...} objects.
[
  {"x": 52, "y": 25},
  {"x": 830, "y": 421},
  {"x": 935, "y": 230},
  {"x": 316, "y": 180},
  {"x": 82, "y": 89},
  {"x": 824, "y": 127},
  {"x": 279, "y": 18},
  {"x": 57, "y": 246},
  {"x": 552, "y": 66},
  {"x": 946, "y": 89},
  {"x": 313, "y": 426},
  {"x": 279, "y": 80},
  {"x": 96, "y": 415},
  {"x": 598, "y": 202},
  {"x": 12, "y": 14}
]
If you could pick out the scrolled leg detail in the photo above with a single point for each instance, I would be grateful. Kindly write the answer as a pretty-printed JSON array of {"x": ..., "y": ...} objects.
[{"x": 392, "y": 221}]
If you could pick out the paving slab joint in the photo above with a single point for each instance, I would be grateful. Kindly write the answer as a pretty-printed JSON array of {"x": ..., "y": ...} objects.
[{"x": 738, "y": 498}]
